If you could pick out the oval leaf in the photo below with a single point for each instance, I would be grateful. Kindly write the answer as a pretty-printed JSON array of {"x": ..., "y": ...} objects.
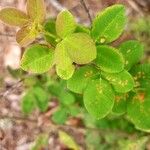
[
  {"x": 60, "y": 116},
  {"x": 66, "y": 98},
  {"x": 109, "y": 59},
  {"x": 26, "y": 36},
  {"x": 120, "y": 105},
  {"x": 28, "y": 103},
  {"x": 64, "y": 66},
  {"x": 13, "y": 17},
  {"x": 122, "y": 82},
  {"x": 109, "y": 24},
  {"x": 37, "y": 59},
  {"x": 65, "y": 24},
  {"x": 141, "y": 74},
  {"x": 68, "y": 140},
  {"x": 42, "y": 98},
  {"x": 138, "y": 111},
  {"x": 132, "y": 52},
  {"x": 99, "y": 98},
  {"x": 36, "y": 10},
  {"x": 81, "y": 48},
  {"x": 80, "y": 78}
]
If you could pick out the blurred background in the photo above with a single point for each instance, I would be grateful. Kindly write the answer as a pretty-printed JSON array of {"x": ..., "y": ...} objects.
[{"x": 18, "y": 132}]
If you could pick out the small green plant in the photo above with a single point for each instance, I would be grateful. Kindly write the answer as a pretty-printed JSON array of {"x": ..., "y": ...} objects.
[{"x": 110, "y": 79}]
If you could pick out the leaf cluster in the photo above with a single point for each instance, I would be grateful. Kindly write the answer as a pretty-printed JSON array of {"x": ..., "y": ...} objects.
[{"x": 109, "y": 78}]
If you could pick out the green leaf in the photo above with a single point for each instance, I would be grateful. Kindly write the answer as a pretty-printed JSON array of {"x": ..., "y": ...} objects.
[
  {"x": 68, "y": 141},
  {"x": 64, "y": 66},
  {"x": 120, "y": 105},
  {"x": 36, "y": 10},
  {"x": 65, "y": 73},
  {"x": 78, "y": 82},
  {"x": 132, "y": 52},
  {"x": 37, "y": 59},
  {"x": 60, "y": 116},
  {"x": 74, "y": 110},
  {"x": 138, "y": 110},
  {"x": 109, "y": 59},
  {"x": 65, "y": 24},
  {"x": 41, "y": 97},
  {"x": 50, "y": 27},
  {"x": 13, "y": 17},
  {"x": 28, "y": 103},
  {"x": 26, "y": 35},
  {"x": 141, "y": 74},
  {"x": 83, "y": 29},
  {"x": 109, "y": 24},
  {"x": 122, "y": 82},
  {"x": 99, "y": 98},
  {"x": 66, "y": 98},
  {"x": 81, "y": 48}
]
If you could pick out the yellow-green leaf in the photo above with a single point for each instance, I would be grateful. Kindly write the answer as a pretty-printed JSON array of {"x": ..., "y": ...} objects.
[
  {"x": 37, "y": 59},
  {"x": 68, "y": 141},
  {"x": 64, "y": 66},
  {"x": 65, "y": 24},
  {"x": 36, "y": 10},
  {"x": 13, "y": 17},
  {"x": 81, "y": 48},
  {"x": 26, "y": 35}
]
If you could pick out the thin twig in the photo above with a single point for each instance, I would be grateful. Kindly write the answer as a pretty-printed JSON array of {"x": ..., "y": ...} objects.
[{"x": 87, "y": 10}]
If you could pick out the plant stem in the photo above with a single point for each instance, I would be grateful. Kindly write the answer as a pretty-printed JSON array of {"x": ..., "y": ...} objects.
[
  {"x": 49, "y": 34},
  {"x": 87, "y": 10}
]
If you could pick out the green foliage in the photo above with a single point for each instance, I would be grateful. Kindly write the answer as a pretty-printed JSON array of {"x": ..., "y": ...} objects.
[
  {"x": 64, "y": 66},
  {"x": 109, "y": 78},
  {"x": 114, "y": 64},
  {"x": 122, "y": 82},
  {"x": 80, "y": 79},
  {"x": 141, "y": 74},
  {"x": 120, "y": 104},
  {"x": 132, "y": 52},
  {"x": 109, "y": 24},
  {"x": 81, "y": 48},
  {"x": 28, "y": 102},
  {"x": 37, "y": 59},
  {"x": 138, "y": 110},
  {"x": 60, "y": 116},
  {"x": 42, "y": 98},
  {"x": 99, "y": 98},
  {"x": 66, "y": 98},
  {"x": 65, "y": 24},
  {"x": 35, "y": 97},
  {"x": 50, "y": 27}
]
